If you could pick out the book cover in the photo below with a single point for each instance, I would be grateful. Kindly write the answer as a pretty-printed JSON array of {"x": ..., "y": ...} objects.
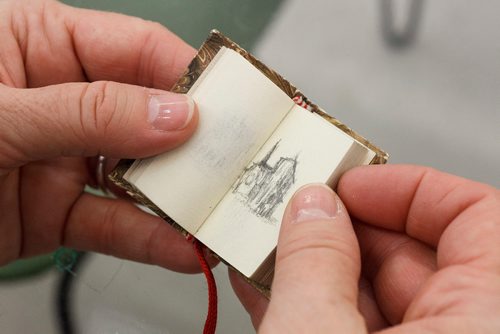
[{"x": 205, "y": 55}]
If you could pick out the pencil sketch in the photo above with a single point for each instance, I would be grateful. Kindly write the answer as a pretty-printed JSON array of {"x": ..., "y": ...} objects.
[{"x": 262, "y": 187}]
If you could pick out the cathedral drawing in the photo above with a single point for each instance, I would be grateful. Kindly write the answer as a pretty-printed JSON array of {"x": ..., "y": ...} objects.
[{"x": 262, "y": 187}]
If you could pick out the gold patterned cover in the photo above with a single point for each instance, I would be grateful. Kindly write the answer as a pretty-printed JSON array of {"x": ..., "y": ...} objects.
[{"x": 206, "y": 53}]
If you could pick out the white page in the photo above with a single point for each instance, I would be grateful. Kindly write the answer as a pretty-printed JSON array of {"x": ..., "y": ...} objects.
[
  {"x": 239, "y": 109},
  {"x": 310, "y": 149}
]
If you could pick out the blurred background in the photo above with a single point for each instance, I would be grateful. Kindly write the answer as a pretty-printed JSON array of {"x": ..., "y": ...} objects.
[{"x": 421, "y": 79}]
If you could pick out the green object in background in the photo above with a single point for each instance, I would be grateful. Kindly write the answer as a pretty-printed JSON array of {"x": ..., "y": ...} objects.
[
  {"x": 241, "y": 20},
  {"x": 26, "y": 267},
  {"x": 65, "y": 259}
]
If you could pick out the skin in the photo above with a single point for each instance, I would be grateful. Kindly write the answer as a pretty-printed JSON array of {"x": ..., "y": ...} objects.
[
  {"x": 410, "y": 249},
  {"x": 52, "y": 120},
  {"x": 421, "y": 254}
]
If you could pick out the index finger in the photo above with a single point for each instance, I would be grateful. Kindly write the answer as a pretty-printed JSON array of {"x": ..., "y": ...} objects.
[
  {"x": 419, "y": 201},
  {"x": 76, "y": 44},
  {"x": 127, "y": 49},
  {"x": 118, "y": 228}
]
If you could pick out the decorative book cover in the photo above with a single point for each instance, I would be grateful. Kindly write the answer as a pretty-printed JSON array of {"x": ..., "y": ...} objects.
[{"x": 206, "y": 53}]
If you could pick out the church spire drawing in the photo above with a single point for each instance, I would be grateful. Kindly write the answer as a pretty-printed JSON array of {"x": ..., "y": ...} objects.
[{"x": 262, "y": 187}]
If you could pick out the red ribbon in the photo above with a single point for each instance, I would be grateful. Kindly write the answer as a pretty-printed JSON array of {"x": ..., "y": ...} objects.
[{"x": 211, "y": 321}]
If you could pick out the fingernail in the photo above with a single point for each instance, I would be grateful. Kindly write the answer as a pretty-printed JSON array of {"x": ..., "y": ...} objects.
[
  {"x": 316, "y": 201},
  {"x": 169, "y": 111}
]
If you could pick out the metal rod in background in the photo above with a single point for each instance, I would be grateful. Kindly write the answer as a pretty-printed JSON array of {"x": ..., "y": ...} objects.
[{"x": 400, "y": 38}]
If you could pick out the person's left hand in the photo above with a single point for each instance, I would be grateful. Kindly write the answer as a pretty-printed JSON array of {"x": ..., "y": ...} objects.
[
  {"x": 417, "y": 252},
  {"x": 60, "y": 103}
]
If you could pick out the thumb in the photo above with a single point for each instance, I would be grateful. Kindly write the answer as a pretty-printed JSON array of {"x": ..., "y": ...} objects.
[
  {"x": 315, "y": 286},
  {"x": 86, "y": 119}
]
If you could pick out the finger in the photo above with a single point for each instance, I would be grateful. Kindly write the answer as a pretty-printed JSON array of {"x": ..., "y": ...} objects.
[
  {"x": 457, "y": 289},
  {"x": 315, "y": 285},
  {"x": 82, "y": 119},
  {"x": 95, "y": 46},
  {"x": 118, "y": 228},
  {"x": 254, "y": 302},
  {"x": 397, "y": 266},
  {"x": 10, "y": 233},
  {"x": 419, "y": 201},
  {"x": 369, "y": 308},
  {"x": 11, "y": 58},
  {"x": 457, "y": 324}
]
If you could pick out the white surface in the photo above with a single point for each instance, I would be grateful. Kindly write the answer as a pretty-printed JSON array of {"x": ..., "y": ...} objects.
[
  {"x": 26, "y": 306},
  {"x": 149, "y": 299},
  {"x": 114, "y": 296}
]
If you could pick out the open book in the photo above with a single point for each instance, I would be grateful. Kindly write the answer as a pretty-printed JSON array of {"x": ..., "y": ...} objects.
[{"x": 228, "y": 186}]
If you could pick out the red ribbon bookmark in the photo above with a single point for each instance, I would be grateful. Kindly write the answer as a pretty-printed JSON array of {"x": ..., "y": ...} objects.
[{"x": 211, "y": 321}]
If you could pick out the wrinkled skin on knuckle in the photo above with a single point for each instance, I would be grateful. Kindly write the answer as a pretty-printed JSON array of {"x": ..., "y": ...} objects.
[
  {"x": 16, "y": 120},
  {"x": 316, "y": 248},
  {"x": 458, "y": 289},
  {"x": 99, "y": 109},
  {"x": 148, "y": 65},
  {"x": 5, "y": 124},
  {"x": 310, "y": 238}
]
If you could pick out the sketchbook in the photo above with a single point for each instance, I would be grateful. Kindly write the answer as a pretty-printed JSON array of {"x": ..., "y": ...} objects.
[{"x": 259, "y": 139}]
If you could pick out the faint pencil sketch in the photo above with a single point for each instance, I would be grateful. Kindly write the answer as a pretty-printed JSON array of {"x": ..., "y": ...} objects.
[{"x": 262, "y": 187}]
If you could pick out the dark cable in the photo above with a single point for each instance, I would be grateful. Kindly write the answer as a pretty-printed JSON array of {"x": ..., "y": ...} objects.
[
  {"x": 406, "y": 35},
  {"x": 64, "y": 297}
]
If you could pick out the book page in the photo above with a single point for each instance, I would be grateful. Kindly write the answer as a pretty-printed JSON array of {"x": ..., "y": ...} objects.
[
  {"x": 243, "y": 229},
  {"x": 239, "y": 109}
]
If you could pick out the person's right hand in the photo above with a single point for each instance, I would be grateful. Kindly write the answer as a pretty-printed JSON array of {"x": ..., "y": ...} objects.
[
  {"x": 74, "y": 84},
  {"x": 430, "y": 250}
]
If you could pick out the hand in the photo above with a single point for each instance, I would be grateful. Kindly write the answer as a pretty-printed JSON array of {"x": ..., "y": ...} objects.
[
  {"x": 430, "y": 249},
  {"x": 52, "y": 118}
]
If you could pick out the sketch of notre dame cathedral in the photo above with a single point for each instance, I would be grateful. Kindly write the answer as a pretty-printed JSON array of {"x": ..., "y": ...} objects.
[{"x": 263, "y": 187}]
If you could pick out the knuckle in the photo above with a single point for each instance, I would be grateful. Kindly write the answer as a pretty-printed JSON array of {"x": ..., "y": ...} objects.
[
  {"x": 13, "y": 123},
  {"x": 154, "y": 27},
  {"x": 151, "y": 46},
  {"x": 98, "y": 107},
  {"x": 108, "y": 228},
  {"x": 315, "y": 242},
  {"x": 151, "y": 255},
  {"x": 454, "y": 288}
]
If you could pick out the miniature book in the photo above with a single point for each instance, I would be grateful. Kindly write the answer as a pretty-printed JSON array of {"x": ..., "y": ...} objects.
[{"x": 259, "y": 139}]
